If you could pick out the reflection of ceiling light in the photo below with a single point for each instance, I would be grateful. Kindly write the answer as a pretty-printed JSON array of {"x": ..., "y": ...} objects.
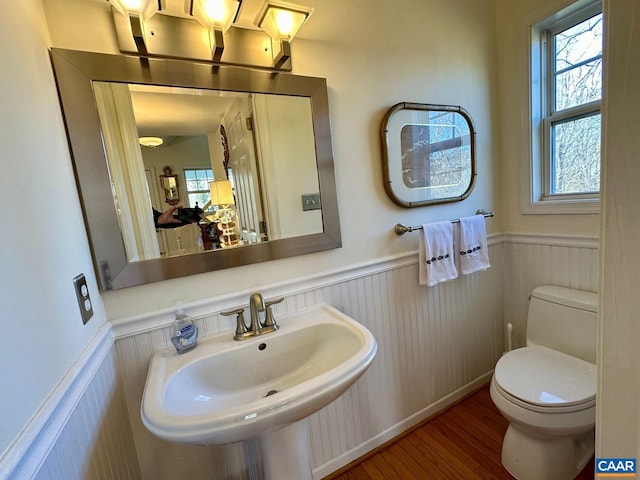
[{"x": 150, "y": 141}]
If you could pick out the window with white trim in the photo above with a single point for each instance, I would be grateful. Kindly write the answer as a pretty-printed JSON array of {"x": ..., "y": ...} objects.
[
  {"x": 197, "y": 185},
  {"x": 566, "y": 97}
]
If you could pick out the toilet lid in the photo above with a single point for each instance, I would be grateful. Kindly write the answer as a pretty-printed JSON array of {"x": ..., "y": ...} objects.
[{"x": 546, "y": 378}]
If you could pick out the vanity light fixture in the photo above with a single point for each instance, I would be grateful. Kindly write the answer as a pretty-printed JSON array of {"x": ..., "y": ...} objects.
[
  {"x": 205, "y": 30},
  {"x": 281, "y": 21},
  {"x": 150, "y": 141},
  {"x": 216, "y": 16},
  {"x": 138, "y": 12}
]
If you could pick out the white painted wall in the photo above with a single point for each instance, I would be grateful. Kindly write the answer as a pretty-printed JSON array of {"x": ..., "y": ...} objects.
[
  {"x": 618, "y": 414},
  {"x": 374, "y": 55},
  {"x": 42, "y": 238}
]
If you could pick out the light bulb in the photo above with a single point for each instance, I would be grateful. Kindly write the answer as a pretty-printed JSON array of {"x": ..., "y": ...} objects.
[
  {"x": 215, "y": 13},
  {"x": 282, "y": 21},
  {"x": 285, "y": 23}
]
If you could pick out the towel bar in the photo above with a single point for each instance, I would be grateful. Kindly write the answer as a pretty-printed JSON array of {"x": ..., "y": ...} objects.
[{"x": 401, "y": 229}]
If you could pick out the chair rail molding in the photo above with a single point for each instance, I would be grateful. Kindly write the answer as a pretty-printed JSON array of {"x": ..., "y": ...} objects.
[{"x": 160, "y": 318}]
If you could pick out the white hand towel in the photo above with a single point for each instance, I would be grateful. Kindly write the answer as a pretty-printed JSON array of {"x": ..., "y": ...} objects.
[
  {"x": 436, "y": 254},
  {"x": 473, "y": 251}
]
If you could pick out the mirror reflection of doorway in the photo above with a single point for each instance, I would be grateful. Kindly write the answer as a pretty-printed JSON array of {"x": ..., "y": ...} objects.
[
  {"x": 154, "y": 197},
  {"x": 244, "y": 168}
]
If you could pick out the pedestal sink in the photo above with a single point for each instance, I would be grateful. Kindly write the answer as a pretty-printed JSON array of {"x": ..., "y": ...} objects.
[{"x": 228, "y": 391}]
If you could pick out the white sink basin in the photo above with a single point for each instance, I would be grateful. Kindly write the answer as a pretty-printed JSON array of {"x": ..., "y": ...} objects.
[{"x": 223, "y": 391}]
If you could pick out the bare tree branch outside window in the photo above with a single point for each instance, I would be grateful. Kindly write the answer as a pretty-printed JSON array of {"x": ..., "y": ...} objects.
[{"x": 577, "y": 83}]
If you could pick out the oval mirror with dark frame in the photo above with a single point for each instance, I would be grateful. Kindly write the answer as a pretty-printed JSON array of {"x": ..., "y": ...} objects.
[
  {"x": 266, "y": 135},
  {"x": 428, "y": 154}
]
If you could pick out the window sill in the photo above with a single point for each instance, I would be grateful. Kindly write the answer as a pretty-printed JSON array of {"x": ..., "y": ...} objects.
[{"x": 562, "y": 207}]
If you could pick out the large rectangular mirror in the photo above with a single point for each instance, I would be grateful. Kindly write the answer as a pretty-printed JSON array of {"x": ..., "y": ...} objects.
[{"x": 265, "y": 136}]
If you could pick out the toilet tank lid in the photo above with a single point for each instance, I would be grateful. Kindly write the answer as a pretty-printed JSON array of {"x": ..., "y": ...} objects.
[{"x": 567, "y": 296}]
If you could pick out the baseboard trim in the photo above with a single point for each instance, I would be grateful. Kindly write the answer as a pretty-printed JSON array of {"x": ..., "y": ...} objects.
[
  {"x": 399, "y": 428},
  {"x": 26, "y": 454}
]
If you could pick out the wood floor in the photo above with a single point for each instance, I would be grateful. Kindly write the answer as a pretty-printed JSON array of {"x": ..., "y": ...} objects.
[{"x": 463, "y": 443}]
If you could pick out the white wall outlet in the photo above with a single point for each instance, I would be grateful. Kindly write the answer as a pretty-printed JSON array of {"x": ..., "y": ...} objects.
[{"x": 82, "y": 293}]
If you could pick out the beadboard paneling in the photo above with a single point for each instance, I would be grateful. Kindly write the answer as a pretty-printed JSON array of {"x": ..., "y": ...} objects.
[
  {"x": 82, "y": 430},
  {"x": 530, "y": 263},
  {"x": 435, "y": 344},
  {"x": 96, "y": 442},
  {"x": 432, "y": 342}
]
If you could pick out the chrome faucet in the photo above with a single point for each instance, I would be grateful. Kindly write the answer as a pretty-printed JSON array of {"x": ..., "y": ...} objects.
[{"x": 257, "y": 305}]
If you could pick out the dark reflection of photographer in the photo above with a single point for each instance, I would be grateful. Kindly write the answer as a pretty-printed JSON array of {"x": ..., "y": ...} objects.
[{"x": 167, "y": 219}]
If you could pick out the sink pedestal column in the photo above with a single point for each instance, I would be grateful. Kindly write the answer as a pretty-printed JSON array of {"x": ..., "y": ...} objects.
[{"x": 285, "y": 453}]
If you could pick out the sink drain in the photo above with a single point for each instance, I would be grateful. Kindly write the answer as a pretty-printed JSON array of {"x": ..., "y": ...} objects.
[{"x": 271, "y": 392}]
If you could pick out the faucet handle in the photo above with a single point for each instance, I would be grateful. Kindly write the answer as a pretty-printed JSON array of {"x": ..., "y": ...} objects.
[
  {"x": 270, "y": 320},
  {"x": 273, "y": 302},
  {"x": 241, "y": 327}
]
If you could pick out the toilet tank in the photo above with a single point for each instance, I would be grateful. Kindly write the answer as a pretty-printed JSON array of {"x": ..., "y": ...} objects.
[{"x": 563, "y": 319}]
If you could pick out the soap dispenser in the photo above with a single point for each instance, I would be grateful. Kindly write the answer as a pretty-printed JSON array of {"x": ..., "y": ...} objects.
[{"x": 184, "y": 334}]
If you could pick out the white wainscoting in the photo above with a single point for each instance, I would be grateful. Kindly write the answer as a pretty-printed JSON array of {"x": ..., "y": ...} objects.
[
  {"x": 82, "y": 430},
  {"x": 435, "y": 345},
  {"x": 534, "y": 260}
]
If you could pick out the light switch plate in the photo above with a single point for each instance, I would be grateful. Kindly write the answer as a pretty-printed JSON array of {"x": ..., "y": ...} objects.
[
  {"x": 311, "y": 201},
  {"x": 82, "y": 293}
]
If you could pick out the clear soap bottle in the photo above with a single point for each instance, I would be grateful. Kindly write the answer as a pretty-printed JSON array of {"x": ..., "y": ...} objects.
[{"x": 184, "y": 334}]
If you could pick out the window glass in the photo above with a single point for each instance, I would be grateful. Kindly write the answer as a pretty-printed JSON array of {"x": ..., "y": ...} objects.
[
  {"x": 572, "y": 120},
  {"x": 197, "y": 184},
  {"x": 578, "y": 64},
  {"x": 576, "y": 155}
]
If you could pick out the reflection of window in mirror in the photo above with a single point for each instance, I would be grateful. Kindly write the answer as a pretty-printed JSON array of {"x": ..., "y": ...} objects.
[{"x": 197, "y": 184}]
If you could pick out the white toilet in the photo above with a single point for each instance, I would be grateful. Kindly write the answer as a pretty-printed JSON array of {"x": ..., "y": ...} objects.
[{"x": 547, "y": 390}]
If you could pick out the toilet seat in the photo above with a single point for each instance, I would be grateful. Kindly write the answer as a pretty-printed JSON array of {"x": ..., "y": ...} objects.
[{"x": 544, "y": 380}]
